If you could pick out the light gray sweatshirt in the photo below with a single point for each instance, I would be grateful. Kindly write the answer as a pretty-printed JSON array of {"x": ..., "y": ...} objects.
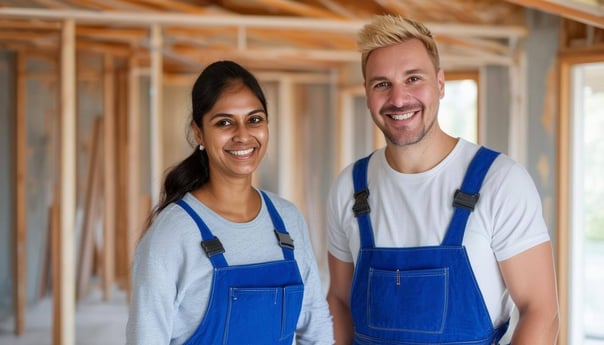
[{"x": 172, "y": 275}]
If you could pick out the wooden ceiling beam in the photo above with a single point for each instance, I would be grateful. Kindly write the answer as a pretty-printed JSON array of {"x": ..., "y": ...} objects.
[
  {"x": 33, "y": 37},
  {"x": 394, "y": 6},
  {"x": 336, "y": 8},
  {"x": 474, "y": 43},
  {"x": 54, "y": 4},
  {"x": 120, "y": 35},
  {"x": 30, "y": 25},
  {"x": 308, "y": 24},
  {"x": 590, "y": 15},
  {"x": 172, "y": 5},
  {"x": 287, "y": 6}
]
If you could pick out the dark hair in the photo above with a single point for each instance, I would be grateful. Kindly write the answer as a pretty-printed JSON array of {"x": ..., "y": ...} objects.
[{"x": 193, "y": 171}]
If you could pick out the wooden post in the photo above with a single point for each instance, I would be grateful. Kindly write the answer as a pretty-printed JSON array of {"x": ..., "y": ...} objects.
[
  {"x": 155, "y": 142},
  {"x": 134, "y": 162},
  {"x": 20, "y": 230},
  {"x": 121, "y": 236},
  {"x": 55, "y": 239},
  {"x": 109, "y": 182},
  {"x": 285, "y": 135},
  {"x": 64, "y": 292}
]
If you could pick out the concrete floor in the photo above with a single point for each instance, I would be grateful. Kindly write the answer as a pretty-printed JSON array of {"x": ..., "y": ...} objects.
[{"x": 97, "y": 322}]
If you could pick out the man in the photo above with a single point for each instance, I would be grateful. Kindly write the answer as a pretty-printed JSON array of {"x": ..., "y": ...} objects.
[{"x": 432, "y": 239}]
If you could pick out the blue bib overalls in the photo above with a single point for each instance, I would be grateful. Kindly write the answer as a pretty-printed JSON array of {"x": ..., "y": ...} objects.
[
  {"x": 254, "y": 303},
  {"x": 420, "y": 295}
]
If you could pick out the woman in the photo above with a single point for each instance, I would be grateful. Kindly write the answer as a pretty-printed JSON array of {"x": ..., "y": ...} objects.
[{"x": 253, "y": 279}]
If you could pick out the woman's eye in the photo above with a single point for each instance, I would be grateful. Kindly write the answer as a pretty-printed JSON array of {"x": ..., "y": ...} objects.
[
  {"x": 256, "y": 119},
  {"x": 223, "y": 123}
]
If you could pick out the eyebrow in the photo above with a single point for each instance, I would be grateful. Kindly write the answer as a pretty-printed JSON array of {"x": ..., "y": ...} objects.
[
  {"x": 255, "y": 111},
  {"x": 406, "y": 73}
]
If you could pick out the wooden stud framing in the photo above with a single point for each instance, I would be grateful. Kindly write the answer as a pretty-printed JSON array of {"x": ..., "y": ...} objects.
[
  {"x": 20, "y": 225},
  {"x": 286, "y": 143},
  {"x": 156, "y": 141},
  {"x": 563, "y": 184},
  {"x": 66, "y": 287},
  {"x": 134, "y": 162},
  {"x": 109, "y": 182},
  {"x": 55, "y": 238}
]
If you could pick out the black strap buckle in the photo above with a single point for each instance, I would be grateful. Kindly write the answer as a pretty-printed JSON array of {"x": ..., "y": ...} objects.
[
  {"x": 212, "y": 247},
  {"x": 285, "y": 240},
  {"x": 467, "y": 201},
  {"x": 361, "y": 205}
]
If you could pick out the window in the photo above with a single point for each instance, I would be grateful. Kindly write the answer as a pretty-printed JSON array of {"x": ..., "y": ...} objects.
[
  {"x": 582, "y": 229},
  {"x": 458, "y": 114},
  {"x": 587, "y": 218}
]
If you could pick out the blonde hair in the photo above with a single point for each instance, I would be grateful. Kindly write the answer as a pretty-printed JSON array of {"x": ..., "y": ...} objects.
[{"x": 387, "y": 30}]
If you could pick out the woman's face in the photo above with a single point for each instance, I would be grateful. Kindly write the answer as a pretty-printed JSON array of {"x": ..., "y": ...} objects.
[{"x": 234, "y": 133}]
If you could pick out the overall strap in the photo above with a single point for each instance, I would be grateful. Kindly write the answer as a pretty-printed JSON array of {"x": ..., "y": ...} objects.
[
  {"x": 210, "y": 243},
  {"x": 361, "y": 207},
  {"x": 467, "y": 196},
  {"x": 285, "y": 240}
]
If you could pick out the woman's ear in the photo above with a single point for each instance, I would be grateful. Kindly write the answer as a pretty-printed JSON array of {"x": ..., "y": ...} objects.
[{"x": 197, "y": 133}]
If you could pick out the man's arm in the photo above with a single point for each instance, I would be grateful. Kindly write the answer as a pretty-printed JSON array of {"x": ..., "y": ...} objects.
[
  {"x": 531, "y": 280},
  {"x": 338, "y": 297}
]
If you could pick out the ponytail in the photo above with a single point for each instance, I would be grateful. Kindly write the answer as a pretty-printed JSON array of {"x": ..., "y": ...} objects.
[{"x": 187, "y": 176}]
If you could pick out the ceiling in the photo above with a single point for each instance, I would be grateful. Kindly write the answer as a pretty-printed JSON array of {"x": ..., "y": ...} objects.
[{"x": 273, "y": 34}]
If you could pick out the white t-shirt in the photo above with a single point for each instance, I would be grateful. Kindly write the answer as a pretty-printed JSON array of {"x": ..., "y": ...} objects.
[
  {"x": 172, "y": 276},
  {"x": 409, "y": 210}
]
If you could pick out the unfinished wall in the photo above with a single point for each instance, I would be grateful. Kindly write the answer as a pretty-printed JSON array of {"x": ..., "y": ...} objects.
[
  {"x": 7, "y": 105},
  {"x": 542, "y": 108},
  {"x": 495, "y": 118}
]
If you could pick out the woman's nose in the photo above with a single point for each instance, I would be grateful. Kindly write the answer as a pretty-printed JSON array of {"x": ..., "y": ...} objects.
[{"x": 242, "y": 133}]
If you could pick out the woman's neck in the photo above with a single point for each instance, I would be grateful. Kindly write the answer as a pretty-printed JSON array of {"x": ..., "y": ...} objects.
[{"x": 236, "y": 202}]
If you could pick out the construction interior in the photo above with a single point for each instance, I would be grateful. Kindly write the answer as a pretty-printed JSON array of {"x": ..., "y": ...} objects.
[{"x": 94, "y": 105}]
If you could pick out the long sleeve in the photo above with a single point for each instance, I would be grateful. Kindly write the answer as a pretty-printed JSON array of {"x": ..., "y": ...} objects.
[{"x": 315, "y": 323}]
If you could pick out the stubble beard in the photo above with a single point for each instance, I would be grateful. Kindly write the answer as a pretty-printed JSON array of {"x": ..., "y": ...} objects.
[{"x": 407, "y": 140}]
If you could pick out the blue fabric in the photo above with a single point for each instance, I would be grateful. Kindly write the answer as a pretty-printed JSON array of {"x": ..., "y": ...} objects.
[
  {"x": 254, "y": 304},
  {"x": 360, "y": 183},
  {"x": 420, "y": 295}
]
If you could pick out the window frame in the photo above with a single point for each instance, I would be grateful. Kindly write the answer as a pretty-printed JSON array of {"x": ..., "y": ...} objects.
[{"x": 563, "y": 184}]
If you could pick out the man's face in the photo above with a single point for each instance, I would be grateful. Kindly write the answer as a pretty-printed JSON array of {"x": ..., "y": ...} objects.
[{"x": 403, "y": 91}]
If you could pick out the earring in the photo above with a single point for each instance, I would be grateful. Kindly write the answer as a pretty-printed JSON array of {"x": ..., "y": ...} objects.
[{"x": 201, "y": 147}]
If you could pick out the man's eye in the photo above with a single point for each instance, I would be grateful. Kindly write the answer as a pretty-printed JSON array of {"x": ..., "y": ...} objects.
[
  {"x": 414, "y": 79},
  {"x": 380, "y": 85}
]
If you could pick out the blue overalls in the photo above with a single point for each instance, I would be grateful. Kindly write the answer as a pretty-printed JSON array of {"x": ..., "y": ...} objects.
[
  {"x": 254, "y": 303},
  {"x": 420, "y": 295}
]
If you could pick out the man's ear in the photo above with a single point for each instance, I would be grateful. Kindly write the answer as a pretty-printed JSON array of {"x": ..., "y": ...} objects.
[{"x": 440, "y": 76}]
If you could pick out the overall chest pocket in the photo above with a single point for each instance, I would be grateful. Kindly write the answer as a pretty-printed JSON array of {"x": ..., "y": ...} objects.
[
  {"x": 407, "y": 301},
  {"x": 262, "y": 315}
]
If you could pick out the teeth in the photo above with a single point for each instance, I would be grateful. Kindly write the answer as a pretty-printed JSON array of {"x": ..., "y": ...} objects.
[
  {"x": 400, "y": 117},
  {"x": 242, "y": 152}
]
